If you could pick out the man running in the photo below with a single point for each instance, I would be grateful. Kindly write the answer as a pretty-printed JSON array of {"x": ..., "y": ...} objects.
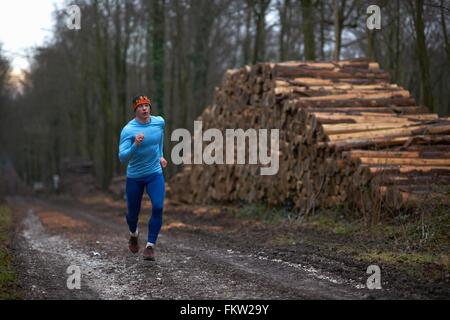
[{"x": 141, "y": 145}]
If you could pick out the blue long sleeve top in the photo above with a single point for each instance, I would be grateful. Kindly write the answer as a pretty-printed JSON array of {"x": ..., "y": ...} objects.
[{"x": 144, "y": 160}]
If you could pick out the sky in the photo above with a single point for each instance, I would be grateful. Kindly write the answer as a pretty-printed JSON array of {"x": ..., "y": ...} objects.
[{"x": 25, "y": 24}]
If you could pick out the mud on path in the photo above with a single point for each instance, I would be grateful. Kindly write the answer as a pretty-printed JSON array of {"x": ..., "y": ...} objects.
[{"x": 200, "y": 255}]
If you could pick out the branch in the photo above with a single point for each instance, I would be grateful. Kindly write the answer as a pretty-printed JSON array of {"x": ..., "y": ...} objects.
[{"x": 432, "y": 5}]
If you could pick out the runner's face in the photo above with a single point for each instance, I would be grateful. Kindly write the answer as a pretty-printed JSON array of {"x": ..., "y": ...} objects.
[{"x": 143, "y": 111}]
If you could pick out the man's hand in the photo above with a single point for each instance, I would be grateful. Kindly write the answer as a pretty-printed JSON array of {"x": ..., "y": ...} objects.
[
  {"x": 163, "y": 162},
  {"x": 138, "y": 139}
]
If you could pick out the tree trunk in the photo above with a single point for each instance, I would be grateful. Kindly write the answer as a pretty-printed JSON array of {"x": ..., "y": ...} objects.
[
  {"x": 338, "y": 26},
  {"x": 371, "y": 44},
  {"x": 426, "y": 90},
  {"x": 444, "y": 30},
  {"x": 158, "y": 50},
  {"x": 398, "y": 33},
  {"x": 260, "y": 12},
  {"x": 284, "y": 25},
  {"x": 200, "y": 55},
  {"x": 182, "y": 78},
  {"x": 308, "y": 29},
  {"x": 248, "y": 57},
  {"x": 106, "y": 162},
  {"x": 122, "y": 36},
  {"x": 322, "y": 30}
]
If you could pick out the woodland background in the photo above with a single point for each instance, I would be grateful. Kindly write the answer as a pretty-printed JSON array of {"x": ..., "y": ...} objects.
[{"x": 75, "y": 99}]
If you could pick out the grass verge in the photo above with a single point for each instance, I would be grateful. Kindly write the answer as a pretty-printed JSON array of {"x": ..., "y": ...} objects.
[
  {"x": 415, "y": 242},
  {"x": 8, "y": 279}
]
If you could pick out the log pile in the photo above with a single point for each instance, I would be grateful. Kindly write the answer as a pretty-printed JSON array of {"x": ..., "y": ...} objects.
[
  {"x": 77, "y": 177},
  {"x": 346, "y": 136}
]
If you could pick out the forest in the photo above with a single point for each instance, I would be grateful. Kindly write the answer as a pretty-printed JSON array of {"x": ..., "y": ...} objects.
[{"x": 76, "y": 97}]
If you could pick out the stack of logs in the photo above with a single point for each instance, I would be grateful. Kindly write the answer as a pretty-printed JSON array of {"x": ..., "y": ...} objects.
[
  {"x": 347, "y": 136},
  {"x": 77, "y": 177}
]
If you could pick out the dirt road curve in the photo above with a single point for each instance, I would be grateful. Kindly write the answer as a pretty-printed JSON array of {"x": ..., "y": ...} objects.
[{"x": 51, "y": 236}]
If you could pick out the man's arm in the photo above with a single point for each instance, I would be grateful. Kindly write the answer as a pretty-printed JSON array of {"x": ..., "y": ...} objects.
[
  {"x": 161, "y": 147},
  {"x": 161, "y": 143},
  {"x": 126, "y": 148}
]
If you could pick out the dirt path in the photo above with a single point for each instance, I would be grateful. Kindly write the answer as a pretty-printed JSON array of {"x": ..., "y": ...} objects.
[{"x": 193, "y": 260}]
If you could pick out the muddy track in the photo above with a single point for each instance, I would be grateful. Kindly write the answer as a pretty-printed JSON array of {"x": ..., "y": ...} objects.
[{"x": 52, "y": 236}]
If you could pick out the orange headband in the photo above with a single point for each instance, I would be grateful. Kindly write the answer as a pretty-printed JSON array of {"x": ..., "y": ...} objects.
[{"x": 142, "y": 100}]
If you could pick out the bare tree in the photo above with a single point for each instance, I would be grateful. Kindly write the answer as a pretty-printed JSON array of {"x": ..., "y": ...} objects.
[
  {"x": 260, "y": 11},
  {"x": 444, "y": 30},
  {"x": 343, "y": 10},
  {"x": 284, "y": 11},
  {"x": 308, "y": 14},
  {"x": 422, "y": 52},
  {"x": 157, "y": 25}
]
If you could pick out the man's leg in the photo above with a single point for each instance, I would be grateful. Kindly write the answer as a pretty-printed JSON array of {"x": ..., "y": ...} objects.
[
  {"x": 156, "y": 190},
  {"x": 134, "y": 191}
]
